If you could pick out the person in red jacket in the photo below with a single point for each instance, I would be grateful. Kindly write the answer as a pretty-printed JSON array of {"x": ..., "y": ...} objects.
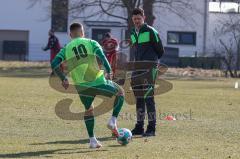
[
  {"x": 53, "y": 45},
  {"x": 110, "y": 46}
]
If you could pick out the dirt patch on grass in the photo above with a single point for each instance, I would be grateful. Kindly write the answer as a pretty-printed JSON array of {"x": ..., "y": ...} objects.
[
  {"x": 6, "y": 66},
  {"x": 193, "y": 72}
]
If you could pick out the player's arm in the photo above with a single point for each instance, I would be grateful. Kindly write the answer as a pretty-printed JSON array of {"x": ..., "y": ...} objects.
[
  {"x": 97, "y": 49},
  {"x": 59, "y": 58},
  {"x": 51, "y": 43},
  {"x": 47, "y": 47},
  {"x": 157, "y": 43}
]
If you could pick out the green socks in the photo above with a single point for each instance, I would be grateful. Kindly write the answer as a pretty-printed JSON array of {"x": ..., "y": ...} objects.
[
  {"x": 89, "y": 122},
  {"x": 118, "y": 103}
]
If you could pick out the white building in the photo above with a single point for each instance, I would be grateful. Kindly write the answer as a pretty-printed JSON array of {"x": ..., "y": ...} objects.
[{"x": 19, "y": 21}]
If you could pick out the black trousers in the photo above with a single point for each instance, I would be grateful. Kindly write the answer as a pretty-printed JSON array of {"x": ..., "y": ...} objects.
[{"x": 143, "y": 83}]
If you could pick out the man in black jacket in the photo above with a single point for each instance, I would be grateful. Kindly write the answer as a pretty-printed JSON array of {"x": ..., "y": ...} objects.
[{"x": 146, "y": 49}]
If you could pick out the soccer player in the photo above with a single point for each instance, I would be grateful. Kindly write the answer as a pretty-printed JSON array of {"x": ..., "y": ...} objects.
[
  {"x": 110, "y": 46},
  {"x": 53, "y": 45},
  {"x": 81, "y": 60},
  {"x": 146, "y": 47}
]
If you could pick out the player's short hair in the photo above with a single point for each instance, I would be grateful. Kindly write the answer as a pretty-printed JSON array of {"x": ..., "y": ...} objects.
[
  {"x": 52, "y": 30},
  {"x": 107, "y": 35},
  {"x": 75, "y": 26},
  {"x": 138, "y": 11}
]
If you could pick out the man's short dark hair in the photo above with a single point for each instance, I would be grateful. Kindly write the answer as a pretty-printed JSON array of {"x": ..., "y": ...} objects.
[
  {"x": 52, "y": 30},
  {"x": 107, "y": 35},
  {"x": 138, "y": 11},
  {"x": 75, "y": 26}
]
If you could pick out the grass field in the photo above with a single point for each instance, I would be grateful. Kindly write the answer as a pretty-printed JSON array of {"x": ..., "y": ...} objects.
[{"x": 31, "y": 129}]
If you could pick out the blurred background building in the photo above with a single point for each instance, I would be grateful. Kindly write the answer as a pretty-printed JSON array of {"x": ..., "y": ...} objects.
[{"x": 24, "y": 26}]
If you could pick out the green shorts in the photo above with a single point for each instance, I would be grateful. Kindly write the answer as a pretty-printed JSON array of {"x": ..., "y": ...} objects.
[{"x": 88, "y": 93}]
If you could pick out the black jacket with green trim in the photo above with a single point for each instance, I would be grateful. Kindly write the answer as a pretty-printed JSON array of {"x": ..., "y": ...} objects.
[{"x": 146, "y": 45}]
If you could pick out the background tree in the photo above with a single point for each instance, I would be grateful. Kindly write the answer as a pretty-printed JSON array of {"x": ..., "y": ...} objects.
[
  {"x": 229, "y": 48},
  {"x": 100, "y": 8}
]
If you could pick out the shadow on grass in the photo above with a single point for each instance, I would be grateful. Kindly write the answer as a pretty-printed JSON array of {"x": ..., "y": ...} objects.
[
  {"x": 46, "y": 153},
  {"x": 25, "y": 72},
  {"x": 84, "y": 141},
  {"x": 116, "y": 146},
  {"x": 138, "y": 136}
]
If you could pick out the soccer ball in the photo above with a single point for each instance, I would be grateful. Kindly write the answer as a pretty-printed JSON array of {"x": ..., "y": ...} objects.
[{"x": 125, "y": 136}]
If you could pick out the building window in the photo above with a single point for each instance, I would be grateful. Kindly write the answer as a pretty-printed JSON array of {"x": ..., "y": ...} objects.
[
  {"x": 60, "y": 15},
  {"x": 224, "y": 6},
  {"x": 181, "y": 38}
]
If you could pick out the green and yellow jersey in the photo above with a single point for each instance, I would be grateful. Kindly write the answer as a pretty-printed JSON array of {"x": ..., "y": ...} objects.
[{"x": 81, "y": 59}]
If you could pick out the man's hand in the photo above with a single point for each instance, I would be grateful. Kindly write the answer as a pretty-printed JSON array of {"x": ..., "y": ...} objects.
[
  {"x": 159, "y": 66},
  {"x": 43, "y": 48},
  {"x": 109, "y": 76},
  {"x": 65, "y": 83}
]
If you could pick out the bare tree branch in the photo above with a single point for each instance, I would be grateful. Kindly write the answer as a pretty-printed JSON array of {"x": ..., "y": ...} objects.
[
  {"x": 106, "y": 10},
  {"x": 230, "y": 27}
]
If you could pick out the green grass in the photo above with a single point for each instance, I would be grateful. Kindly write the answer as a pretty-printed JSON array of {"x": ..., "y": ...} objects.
[{"x": 31, "y": 129}]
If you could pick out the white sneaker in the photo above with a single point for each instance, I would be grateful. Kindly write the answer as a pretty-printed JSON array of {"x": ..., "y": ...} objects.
[
  {"x": 95, "y": 144},
  {"x": 112, "y": 125}
]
